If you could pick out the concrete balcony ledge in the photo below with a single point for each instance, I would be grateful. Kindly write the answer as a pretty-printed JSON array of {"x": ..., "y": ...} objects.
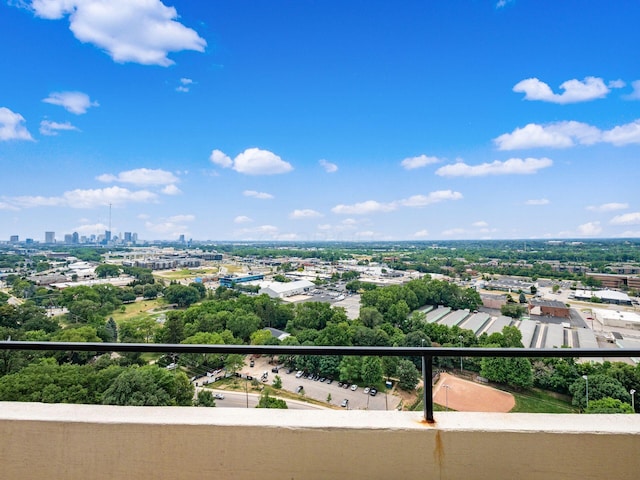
[{"x": 57, "y": 441}]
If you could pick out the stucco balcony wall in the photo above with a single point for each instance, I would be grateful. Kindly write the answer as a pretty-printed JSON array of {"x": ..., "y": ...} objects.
[{"x": 68, "y": 442}]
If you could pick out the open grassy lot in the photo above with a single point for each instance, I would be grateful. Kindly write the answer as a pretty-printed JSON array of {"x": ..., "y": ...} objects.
[
  {"x": 137, "y": 310},
  {"x": 537, "y": 401}
]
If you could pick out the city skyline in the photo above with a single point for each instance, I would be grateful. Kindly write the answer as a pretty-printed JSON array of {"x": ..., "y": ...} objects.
[{"x": 309, "y": 121}]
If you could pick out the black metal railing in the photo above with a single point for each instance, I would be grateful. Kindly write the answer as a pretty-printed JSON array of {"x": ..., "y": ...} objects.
[{"x": 426, "y": 353}]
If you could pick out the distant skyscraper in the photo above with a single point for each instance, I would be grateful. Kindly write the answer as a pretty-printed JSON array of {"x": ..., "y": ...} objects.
[
  {"x": 75, "y": 237},
  {"x": 68, "y": 238},
  {"x": 107, "y": 236},
  {"x": 127, "y": 237},
  {"x": 181, "y": 239},
  {"x": 49, "y": 237},
  {"x": 14, "y": 239},
  {"x": 134, "y": 238}
]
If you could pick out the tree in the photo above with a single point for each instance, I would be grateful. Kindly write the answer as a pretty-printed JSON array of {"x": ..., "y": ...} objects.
[
  {"x": 513, "y": 310},
  {"x": 205, "y": 399},
  {"x": 608, "y": 405},
  {"x": 407, "y": 375},
  {"x": 107, "y": 270},
  {"x": 350, "y": 368},
  {"x": 267, "y": 401},
  {"x": 112, "y": 330},
  {"x": 555, "y": 288},
  {"x": 173, "y": 331},
  {"x": 277, "y": 382},
  {"x": 600, "y": 386},
  {"x": 149, "y": 385},
  {"x": 371, "y": 372},
  {"x": 522, "y": 298},
  {"x": 516, "y": 372},
  {"x": 181, "y": 295},
  {"x": 329, "y": 398}
]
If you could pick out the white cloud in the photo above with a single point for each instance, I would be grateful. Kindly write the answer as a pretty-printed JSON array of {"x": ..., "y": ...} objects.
[
  {"x": 184, "y": 85},
  {"x": 171, "y": 190},
  {"x": 412, "y": 163},
  {"x": 52, "y": 128},
  {"x": 433, "y": 197},
  {"x": 453, "y": 231},
  {"x": 182, "y": 218},
  {"x": 623, "y": 134},
  {"x": 89, "y": 198},
  {"x": 629, "y": 234},
  {"x": 74, "y": 102},
  {"x": 513, "y": 166},
  {"x": 260, "y": 195},
  {"x": 480, "y": 224},
  {"x": 328, "y": 166},
  {"x": 575, "y": 91},
  {"x": 242, "y": 219},
  {"x": 626, "y": 219},
  {"x": 373, "y": 206},
  {"x": 11, "y": 126},
  {"x": 553, "y": 135},
  {"x": 304, "y": 213},
  {"x": 89, "y": 229},
  {"x": 590, "y": 228},
  {"x": 221, "y": 159},
  {"x": 617, "y": 83},
  {"x": 7, "y": 206},
  {"x": 253, "y": 161},
  {"x": 421, "y": 234},
  {"x": 363, "y": 208},
  {"x": 138, "y": 31},
  {"x": 537, "y": 201},
  {"x": 608, "y": 207},
  {"x": 567, "y": 134},
  {"x": 635, "y": 94},
  {"x": 141, "y": 176}
]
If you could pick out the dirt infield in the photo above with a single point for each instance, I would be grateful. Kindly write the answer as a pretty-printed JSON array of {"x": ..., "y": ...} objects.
[{"x": 466, "y": 396}]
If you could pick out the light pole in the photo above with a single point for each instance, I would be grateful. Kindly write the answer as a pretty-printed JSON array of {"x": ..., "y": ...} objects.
[
  {"x": 461, "y": 338},
  {"x": 446, "y": 396},
  {"x": 586, "y": 379},
  {"x": 633, "y": 400}
]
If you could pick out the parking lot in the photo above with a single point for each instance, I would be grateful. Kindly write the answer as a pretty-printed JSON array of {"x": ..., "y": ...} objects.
[{"x": 317, "y": 390}]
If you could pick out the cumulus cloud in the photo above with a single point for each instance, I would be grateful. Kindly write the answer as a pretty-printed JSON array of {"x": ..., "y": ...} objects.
[
  {"x": 590, "y": 228},
  {"x": 328, "y": 166},
  {"x": 184, "y": 85},
  {"x": 433, "y": 197},
  {"x": 137, "y": 31},
  {"x": 363, "y": 208},
  {"x": 373, "y": 206},
  {"x": 75, "y": 102},
  {"x": 91, "y": 228},
  {"x": 253, "y": 161},
  {"x": 635, "y": 94},
  {"x": 11, "y": 126},
  {"x": 537, "y": 201},
  {"x": 89, "y": 198},
  {"x": 626, "y": 219},
  {"x": 421, "y": 234},
  {"x": 304, "y": 213},
  {"x": 575, "y": 91},
  {"x": 608, "y": 207},
  {"x": 480, "y": 224},
  {"x": 52, "y": 128},
  {"x": 553, "y": 135},
  {"x": 182, "y": 218},
  {"x": 171, "y": 190},
  {"x": 260, "y": 195},
  {"x": 453, "y": 231},
  {"x": 242, "y": 219},
  {"x": 220, "y": 159},
  {"x": 141, "y": 176},
  {"x": 567, "y": 134},
  {"x": 513, "y": 166},
  {"x": 617, "y": 83},
  {"x": 420, "y": 161}
]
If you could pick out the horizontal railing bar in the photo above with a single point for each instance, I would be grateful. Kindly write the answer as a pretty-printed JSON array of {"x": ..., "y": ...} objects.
[{"x": 328, "y": 350}]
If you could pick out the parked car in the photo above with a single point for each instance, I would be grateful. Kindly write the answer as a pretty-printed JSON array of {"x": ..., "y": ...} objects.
[
  {"x": 299, "y": 374},
  {"x": 299, "y": 389},
  {"x": 345, "y": 403},
  {"x": 345, "y": 385},
  {"x": 252, "y": 363},
  {"x": 354, "y": 387},
  {"x": 366, "y": 390},
  {"x": 373, "y": 392},
  {"x": 218, "y": 396},
  {"x": 275, "y": 369}
]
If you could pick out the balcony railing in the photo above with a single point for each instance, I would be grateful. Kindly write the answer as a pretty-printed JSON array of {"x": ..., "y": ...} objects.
[{"x": 426, "y": 353}]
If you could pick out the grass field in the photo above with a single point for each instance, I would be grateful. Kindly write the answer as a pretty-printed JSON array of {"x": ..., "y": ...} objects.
[
  {"x": 537, "y": 401},
  {"x": 136, "y": 310}
]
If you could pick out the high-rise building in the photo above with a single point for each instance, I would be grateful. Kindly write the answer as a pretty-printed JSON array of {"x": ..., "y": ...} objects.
[
  {"x": 181, "y": 239},
  {"x": 107, "y": 236},
  {"x": 49, "y": 237},
  {"x": 75, "y": 237},
  {"x": 68, "y": 238},
  {"x": 14, "y": 239},
  {"x": 127, "y": 237}
]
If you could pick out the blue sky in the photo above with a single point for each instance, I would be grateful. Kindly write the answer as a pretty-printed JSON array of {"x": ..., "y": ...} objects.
[{"x": 320, "y": 120}]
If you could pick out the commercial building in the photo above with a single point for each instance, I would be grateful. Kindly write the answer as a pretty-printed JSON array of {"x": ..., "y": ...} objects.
[
  {"x": 49, "y": 237},
  {"x": 229, "y": 281},
  {"x": 605, "y": 296},
  {"x": 551, "y": 308},
  {"x": 286, "y": 289}
]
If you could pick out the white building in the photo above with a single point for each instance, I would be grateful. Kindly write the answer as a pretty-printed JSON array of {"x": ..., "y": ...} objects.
[{"x": 285, "y": 289}]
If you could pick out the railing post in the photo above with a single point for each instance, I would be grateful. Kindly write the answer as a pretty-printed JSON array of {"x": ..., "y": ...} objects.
[{"x": 427, "y": 387}]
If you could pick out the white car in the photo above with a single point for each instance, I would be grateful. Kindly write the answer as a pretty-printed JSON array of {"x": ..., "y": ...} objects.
[
  {"x": 218, "y": 396},
  {"x": 354, "y": 387},
  {"x": 366, "y": 390},
  {"x": 299, "y": 374}
]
